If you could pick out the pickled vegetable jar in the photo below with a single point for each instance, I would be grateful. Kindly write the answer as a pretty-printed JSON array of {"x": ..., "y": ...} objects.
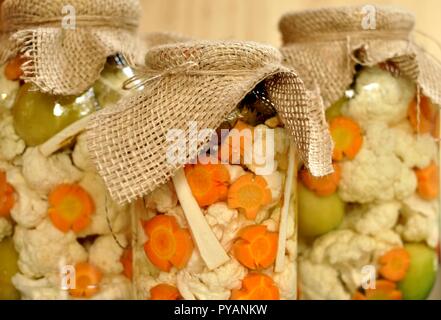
[
  {"x": 61, "y": 234},
  {"x": 247, "y": 207},
  {"x": 369, "y": 230}
]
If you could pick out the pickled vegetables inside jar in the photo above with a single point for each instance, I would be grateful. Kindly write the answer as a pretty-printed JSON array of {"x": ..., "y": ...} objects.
[
  {"x": 62, "y": 237},
  {"x": 370, "y": 230},
  {"x": 224, "y": 227}
]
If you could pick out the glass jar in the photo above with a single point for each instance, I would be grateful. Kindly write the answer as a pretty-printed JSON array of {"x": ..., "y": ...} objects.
[
  {"x": 62, "y": 236},
  {"x": 224, "y": 227},
  {"x": 371, "y": 229}
]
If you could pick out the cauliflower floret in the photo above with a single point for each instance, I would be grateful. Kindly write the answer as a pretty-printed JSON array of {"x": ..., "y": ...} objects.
[
  {"x": 211, "y": 285},
  {"x": 421, "y": 221},
  {"x": 286, "y": 281},
  {"x": 38, "y": 289},
  {"x": 376, "y": 173},
  {"x": 105, "y": 253},
  {"x": 43, "y": 174},
  {"x": 320, "y": 282},
  {"x": 116, "y": 287},
  {"x": 225, "y": 223},
  {"x": 29, "y": 209},
  {"x": 235, "y": 172},
  {"x": 45, "y": 249},
  {"x": 5, "y": 228},
  {"x": 162, "y": 199},
  {"x": 11, "y": 145},
  {"x": 414, "y": 150},
  {"x": 80, "y": 155},
  {"x": 260, "y": 158},
  {"x": 373, "y": 218},
  {"x": 380, "y": 97},
  {"x": 275, "y": 184},
  {"x": 274, "y": 221},
  {"x": 106, "y": 210}
]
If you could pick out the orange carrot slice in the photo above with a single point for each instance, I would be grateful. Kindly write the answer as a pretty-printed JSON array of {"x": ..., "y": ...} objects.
[
  {"x": 168, "y": 244},
  {"x": 13, "y": 70},
  {"x": 428, "y": 116},
  {"x": 394, "y": 264},
  {"x": 71, "y": 207},
  {"x": 233, "y": 147},
  {"x": 428, "y": 182},
  {"x": 87, "y": 280},
  {"x": 347, "y": 137},
  {"x": 164, "y": 291},
  {"x": 208, "y": 182},
  {"x": 384, "y": 290},
  {"x": 256, "y": 247},
  {"x": 249, "y": 194},
  {"x": 256, "y": 286},
  {"x": 7, "y": 199},
  {"x": 127, "y": 262},
  {"x": 322, "y": 186}
]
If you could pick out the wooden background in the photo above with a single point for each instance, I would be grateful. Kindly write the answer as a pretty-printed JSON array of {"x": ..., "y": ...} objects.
[{"x": 258, "y": 19}]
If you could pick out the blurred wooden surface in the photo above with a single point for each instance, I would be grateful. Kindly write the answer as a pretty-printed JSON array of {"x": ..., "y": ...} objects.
[{"x": 258, "y": 19}]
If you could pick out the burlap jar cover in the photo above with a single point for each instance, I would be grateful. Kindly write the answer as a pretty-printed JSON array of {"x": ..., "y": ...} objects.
[
  {"x": 325, "y": 45},
  {"x": 201, "y": 82},
  {"x": 62, "y": 60}
]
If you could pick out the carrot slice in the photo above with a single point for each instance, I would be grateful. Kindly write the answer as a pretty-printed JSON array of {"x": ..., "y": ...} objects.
[
  {"x": 322, "y": 186},
  {"x": 249, "y": 194},
  {"x": 234, "y": 146},
  {"x": 127, "y": 262},
  {"x": 7, "y": 199},
  {"x": 256, "y": 286},
  {"x": 256, "y": 247},
  {"x": 428, "y": 116},
  {"x": 428, "y": 182},
  {"x": 208, "y": 182},
  {"x": 13, "y": 70},
  {"x": 384, "y": 290},
  {"x": 168, "y": 244},
  {"x": 347, "y": 137},
  {"x": 71, "y": 207},
  {"x": 164, "y": 291},
  {"x": 394, "y": 264},
  {"x": 87, "y": 280}
]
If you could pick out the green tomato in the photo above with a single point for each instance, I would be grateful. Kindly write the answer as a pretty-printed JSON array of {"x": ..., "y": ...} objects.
[
  {"x": 335, "y": 109},
  {"x": 421, "y": 276},
  {"x": 318, "y": 215},
  {"x": 8, "y": 268},
  {"x": 39, "y": 116}
]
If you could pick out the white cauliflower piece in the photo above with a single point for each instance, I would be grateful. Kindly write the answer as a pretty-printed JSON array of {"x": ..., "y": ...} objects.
[
  {"x": 105, "y": 253},
  {"x": 235, "y": 172},
  {"x": 162, "y": 199},
  {"x": 5, "y": 228},
  {"x": 286, "y": 281},
  {"x": 373, "y": 218},
  {"x": 44, "y": 174},
  {"x": 211, "y": 285},
  {"x": 421, "y": 221},
  {"x": 380, "y": 97},
  {"x": 275, "y": 183},
  {"x": 385, "y": 241},
  {"x": 80, "y": 155},
  {"x": 225, "y": 223},
  {"x": 260, "y": 158},
  {"x": 273, "y": 222},
  {"x": 414, "y": 150},
  {"x": 38, "y": 289},
  {"x": 106, "y": 210},
  {"x": 29, "y": 209},
  {"x": 116, "y": 287},
  {"x": 320, "y": 282},
  {"x": 11, "y": 145},
  {"x": 45, "y": 249},
  {"x": 178, "y": 213},
  {"x": 376, "y": 173}
]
